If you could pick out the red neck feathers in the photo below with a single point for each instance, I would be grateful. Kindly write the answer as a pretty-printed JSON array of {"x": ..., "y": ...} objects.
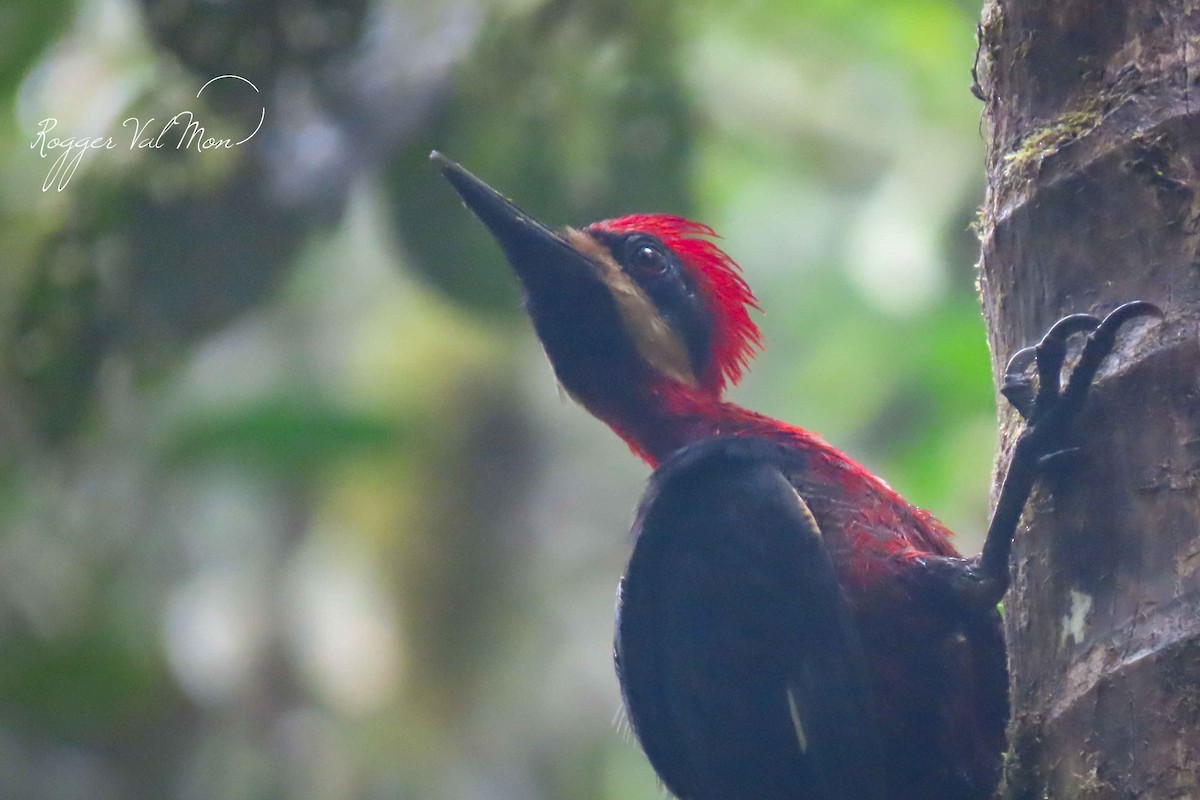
[
  {"x": 672, "y": 416},
  {"x": 667, "y": 415},
  {"x": 879, "y": 521}
]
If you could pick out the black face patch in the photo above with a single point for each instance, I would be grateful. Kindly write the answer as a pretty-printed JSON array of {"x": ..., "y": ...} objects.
[{"x": 658, "y": 272}]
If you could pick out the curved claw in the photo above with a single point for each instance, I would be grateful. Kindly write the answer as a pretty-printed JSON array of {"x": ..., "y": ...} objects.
[
  {"x": 1099, "y": 345},
  {"x": 1020, "y": 361},
  {"x": 1125, "y": 312},
  {"x": 1052, "y": 351},
  {"x": 1070, "y": 325},
  {"x": 1016, "y": 387}
]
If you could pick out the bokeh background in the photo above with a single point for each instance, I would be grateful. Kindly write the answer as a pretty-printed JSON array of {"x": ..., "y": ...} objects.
[{"x": 290, "y": 506}]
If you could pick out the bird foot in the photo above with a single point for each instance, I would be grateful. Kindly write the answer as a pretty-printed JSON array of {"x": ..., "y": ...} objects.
[
  {"x": 1048, "y": 411},
  {"x": 1051, "y": 403}
]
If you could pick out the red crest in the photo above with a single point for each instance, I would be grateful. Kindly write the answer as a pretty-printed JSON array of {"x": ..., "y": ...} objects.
[{"x": 736, "y": 337}]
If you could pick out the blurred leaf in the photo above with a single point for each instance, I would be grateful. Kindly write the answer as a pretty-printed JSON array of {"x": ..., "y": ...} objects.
[
  {"x": 285, "y": 436},
  {"x": 78, "y": 686}
]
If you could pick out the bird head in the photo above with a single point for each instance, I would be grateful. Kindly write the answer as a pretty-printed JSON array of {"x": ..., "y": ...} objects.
[{"x": 643, "y": 304}]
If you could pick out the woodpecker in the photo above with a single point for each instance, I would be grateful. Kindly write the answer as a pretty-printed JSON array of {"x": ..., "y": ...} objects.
[{"x": 788, "y": 626}]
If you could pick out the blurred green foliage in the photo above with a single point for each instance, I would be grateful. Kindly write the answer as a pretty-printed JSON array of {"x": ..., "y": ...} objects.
[{"x": 289, "y": 504}]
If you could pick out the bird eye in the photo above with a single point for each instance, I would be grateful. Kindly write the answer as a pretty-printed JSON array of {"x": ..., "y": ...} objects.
[{"x": 649, "y": 259}]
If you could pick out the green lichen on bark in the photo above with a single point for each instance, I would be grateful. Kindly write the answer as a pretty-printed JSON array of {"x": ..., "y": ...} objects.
[{"x": 1041, "y": 143}]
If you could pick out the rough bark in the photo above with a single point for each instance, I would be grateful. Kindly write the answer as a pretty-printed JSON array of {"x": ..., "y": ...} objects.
[{"x": 1093, "y": 155}]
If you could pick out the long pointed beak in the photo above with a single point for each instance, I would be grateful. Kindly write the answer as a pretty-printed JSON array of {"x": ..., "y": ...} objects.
[{"x": 534, "y": 250}]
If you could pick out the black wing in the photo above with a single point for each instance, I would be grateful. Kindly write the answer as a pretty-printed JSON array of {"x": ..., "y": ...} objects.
[{"x": 738, "y": 657}]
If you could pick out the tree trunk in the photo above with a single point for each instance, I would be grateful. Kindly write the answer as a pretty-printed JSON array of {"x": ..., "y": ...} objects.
[{"x": 1093, "y": 155}]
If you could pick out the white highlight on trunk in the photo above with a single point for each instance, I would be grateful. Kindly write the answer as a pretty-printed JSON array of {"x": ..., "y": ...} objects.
[{"x": 1073, "y": 621}]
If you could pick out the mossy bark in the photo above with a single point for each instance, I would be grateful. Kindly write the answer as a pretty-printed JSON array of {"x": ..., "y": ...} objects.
[{"x": 1093, "y": 142}]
